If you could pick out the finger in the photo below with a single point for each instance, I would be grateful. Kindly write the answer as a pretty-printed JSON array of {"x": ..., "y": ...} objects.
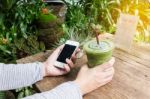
[
  {"x": 58, "y": 50},
  {"x": 73, "y": 58},
  {"x": 105, "y": 74},
  {"x": 109, "y": 69},
  {"x": 77, "y": 51},
  {"x": 109, "y": 73},
  {"x": 106, "y": 81},
  {"x": 67, "y": 68},
  {"x": 70, "y": 63},
  {"x": 106, "y": 65},
  {"x": 74, "y": 54},
  {"x": 60, "y": 47}
]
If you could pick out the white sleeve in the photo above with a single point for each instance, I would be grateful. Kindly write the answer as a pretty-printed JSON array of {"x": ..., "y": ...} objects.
[
  {"x": 68, "y": 90},
  {"x": 13, "y": 76}
]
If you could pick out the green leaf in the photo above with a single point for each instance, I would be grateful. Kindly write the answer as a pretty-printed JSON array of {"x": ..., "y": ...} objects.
[
  {"x": 4, "y": 49},
  {"x": 20, "y": 95},
  {"x": 42, "y": 46},
  {"x": 1, "y": 19}
]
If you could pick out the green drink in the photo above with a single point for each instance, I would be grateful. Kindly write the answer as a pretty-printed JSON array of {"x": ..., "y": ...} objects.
[{"x": 98, "y": 53}]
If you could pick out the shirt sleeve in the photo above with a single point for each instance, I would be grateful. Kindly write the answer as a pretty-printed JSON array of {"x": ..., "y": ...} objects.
[
  {"x": 69, "y": 90},
  {"x": 13, "y": 76}
]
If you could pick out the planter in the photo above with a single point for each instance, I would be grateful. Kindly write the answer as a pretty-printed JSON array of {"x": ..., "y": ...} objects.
[
  {"x": 2, "y": 95},
  {"x": 49, "y": 24},
  {"x": 59, "y": 8},
  {"x": 50, "y": 36},
  {"x": 56, "y": 17}
]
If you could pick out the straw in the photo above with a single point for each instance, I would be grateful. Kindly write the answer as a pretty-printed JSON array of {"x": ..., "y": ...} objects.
[{"x": 96, "y": 35}]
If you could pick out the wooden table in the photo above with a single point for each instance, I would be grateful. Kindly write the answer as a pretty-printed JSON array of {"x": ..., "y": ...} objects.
[{"x": 131, "y": 79}]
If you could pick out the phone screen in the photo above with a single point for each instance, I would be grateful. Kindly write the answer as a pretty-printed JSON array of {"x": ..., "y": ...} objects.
[{"x": 66, "y": 53}]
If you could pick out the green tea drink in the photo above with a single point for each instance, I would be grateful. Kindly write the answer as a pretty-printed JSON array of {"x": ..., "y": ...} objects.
[{"x": 98, "y": 53}]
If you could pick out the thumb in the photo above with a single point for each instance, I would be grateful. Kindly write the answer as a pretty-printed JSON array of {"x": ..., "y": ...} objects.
[
  {"x": 59, "y": 48},
  {"x": 57, "y": 51}
]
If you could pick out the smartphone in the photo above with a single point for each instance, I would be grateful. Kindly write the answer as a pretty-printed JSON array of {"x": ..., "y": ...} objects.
[{"x": 67, "y": 51}]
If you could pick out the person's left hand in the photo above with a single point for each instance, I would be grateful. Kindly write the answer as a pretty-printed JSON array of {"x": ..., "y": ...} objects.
[{"x": 48, "y": 66}]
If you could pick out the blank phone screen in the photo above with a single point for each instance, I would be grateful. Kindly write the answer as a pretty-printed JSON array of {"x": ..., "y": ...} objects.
[{"x": 66, "y": 53}]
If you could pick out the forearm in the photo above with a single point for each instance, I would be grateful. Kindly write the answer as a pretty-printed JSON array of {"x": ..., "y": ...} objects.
[
  {"x": 14, "y": 76},
  {"x": 68, "y": 90}
]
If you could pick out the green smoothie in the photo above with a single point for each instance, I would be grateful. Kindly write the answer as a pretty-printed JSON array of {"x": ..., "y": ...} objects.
[{"x": 98, "y": 53}]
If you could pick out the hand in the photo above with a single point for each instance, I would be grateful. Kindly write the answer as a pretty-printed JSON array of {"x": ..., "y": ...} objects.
[
  {"x": 48, "y": 66},
  {"x": 90, "y": 79}
]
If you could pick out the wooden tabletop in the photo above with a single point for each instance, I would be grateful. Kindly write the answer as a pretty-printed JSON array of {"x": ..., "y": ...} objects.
[{"x": 131, "y": 79}]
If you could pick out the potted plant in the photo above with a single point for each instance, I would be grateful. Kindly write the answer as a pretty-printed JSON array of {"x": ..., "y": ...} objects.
[{"x": 50, "y": 22}]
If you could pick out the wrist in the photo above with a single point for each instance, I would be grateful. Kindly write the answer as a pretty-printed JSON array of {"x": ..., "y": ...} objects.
[
  {"x": 81, "y": 86},
  {"x": 44, "y": 70}
]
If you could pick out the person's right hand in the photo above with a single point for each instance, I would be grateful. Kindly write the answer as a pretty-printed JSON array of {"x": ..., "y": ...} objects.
[{"x": 90, "y": 79}]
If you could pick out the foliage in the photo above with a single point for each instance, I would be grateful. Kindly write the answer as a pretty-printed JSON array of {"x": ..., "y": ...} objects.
[
  {"x": 23, "y": 92},
  {"x": 6, "y": 4},
  {"x": 106, "y": 12},
  {"x": 76, "y": 17},
  {"x": 73, "y": 34},
  {"x": 103, "y": 13},
  {"x": 82, "y": 13},
  {"x": 17, "y": 21},
  {"x": 29, "y": 46},
  {"x": 77, "y": 24}
]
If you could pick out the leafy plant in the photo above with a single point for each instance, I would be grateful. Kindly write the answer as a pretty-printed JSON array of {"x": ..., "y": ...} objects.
[
  {"x": 71, "y": 33},
  {"x": 103, "y": 13},
  {"x": 77, "y": 24},
  {"x": 17, "y": 21},
  {"x": 23, "y": 92},
  {"x": 28, "y": 46},
  {"x": 6, "y": 4},
  {"x": 82, "y": 13}
]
